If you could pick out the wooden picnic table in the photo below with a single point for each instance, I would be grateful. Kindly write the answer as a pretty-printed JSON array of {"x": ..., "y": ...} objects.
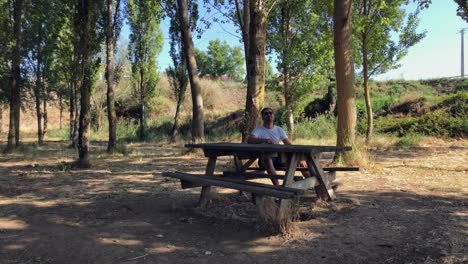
[{"x": 291, "y": 187}]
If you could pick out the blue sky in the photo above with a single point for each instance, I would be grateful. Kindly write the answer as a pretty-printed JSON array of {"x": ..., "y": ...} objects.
[{"x": 437, "y": 55}]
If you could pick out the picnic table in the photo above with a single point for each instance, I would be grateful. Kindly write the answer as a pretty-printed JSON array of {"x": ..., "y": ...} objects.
[{"x": 292, "y": 186}]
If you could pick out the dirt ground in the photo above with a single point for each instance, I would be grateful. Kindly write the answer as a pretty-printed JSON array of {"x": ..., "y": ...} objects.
[{"x": 407, "y": 206}]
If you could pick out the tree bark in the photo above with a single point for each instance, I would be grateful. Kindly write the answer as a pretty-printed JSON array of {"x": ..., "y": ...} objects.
[
  {"x": 175, "y": 128},
  {"x": 344, "y": 68},
  {"x": 111, "y": 114},
  {"x": 365, "y": 72},
  {"x": 85, "y": 117},
  {"x": 255, "y": 66},
  {"x": 198, "y": 132},
  {"x": 142, "y": 104},
  {"x": 286, "y": 30},
  {"x": 38, "y": 94},
  {"x": 60, "y": 111},
  {"x": 15, "y": 95},
  {"x": 45, "y": 118}
]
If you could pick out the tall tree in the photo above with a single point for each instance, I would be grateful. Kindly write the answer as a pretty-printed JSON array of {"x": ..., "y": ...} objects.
[
  {"x": 144, "y": 17},
  {"x": 251, "y": 17},
  {"x": 198, "y": 131},
  {"x": 113, "y": 25},
  {"x": 5, "y": 58},
  {"x": 220, "y": 59},
  {"x": 344, "y": 70},
  {"x": 300, "y": 33},
  {"x": 376, "y": 24},
  {"x": 87, "y": 14},
  {"x": 177, "y": 73},
  {"x": 15, "y": 90},
  {"x": 44, "y": 21}
]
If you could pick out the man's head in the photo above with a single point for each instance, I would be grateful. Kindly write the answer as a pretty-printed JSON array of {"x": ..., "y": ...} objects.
[{"x": 267, "y": 115}]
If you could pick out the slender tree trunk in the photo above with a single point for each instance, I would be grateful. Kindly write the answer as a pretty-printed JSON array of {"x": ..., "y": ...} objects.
[
  {"x": 85, "y": 117},
  {"x": 286, "y": 30},
  {"x": 111, "y": 114},
  {"x": 45, "y": 118},
  {"x": 198, "y": 132},
  {"x": 72, "y": 109},
  {"x": 60, "y": 111},
  {"x": 344, "y": 68},
  {"x": 255, "y": 66},
  {"x": 175, "y": 127},
  {"x": 76, "y": 119},
  {"x": 15, "y": 96},
  {"x": 1, "y": 118},
  {"x": 365, "y": 71},
  {"x": 38, "y": 94},
  {"x": 142, "y": 104}
]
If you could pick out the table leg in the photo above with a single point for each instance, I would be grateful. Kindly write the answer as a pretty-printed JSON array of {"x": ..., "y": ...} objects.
[
  {"x": 324, "y": 189},
  {"x": 291, "y": 169},
  {"x": 206, "y": 190}
]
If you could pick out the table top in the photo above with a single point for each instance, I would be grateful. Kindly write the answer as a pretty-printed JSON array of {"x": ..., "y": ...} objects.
[{"x": 244, "y": 147}]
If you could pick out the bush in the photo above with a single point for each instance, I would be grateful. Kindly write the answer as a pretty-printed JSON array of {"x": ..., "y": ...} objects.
[
  {"x": 409, "y": 140},
  {"x": 322, "y": 126}
]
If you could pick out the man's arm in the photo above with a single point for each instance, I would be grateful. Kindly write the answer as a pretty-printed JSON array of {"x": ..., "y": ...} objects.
[
  {"x": 286, "y": 141},
  {"x": 251, "y": 139}
]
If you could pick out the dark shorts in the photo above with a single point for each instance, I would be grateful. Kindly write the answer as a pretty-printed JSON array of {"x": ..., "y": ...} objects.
[{"x": 276, "y": 163}]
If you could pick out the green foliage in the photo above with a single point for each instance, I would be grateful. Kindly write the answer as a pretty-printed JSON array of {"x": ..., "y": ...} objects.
[
  {"x": 322, "y": 126},
  {"x": 448, "y": 118},
  {"x": 221, "y": 59},
  {"x": 462, "y": 87},
  {"x": 409, "y": 141}
]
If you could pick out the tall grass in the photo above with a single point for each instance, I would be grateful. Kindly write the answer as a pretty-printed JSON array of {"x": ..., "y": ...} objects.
[{"x": 320, "y": 127}]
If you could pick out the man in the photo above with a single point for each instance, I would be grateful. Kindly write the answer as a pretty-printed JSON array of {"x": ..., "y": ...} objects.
[{"x": 268, "y": 133}]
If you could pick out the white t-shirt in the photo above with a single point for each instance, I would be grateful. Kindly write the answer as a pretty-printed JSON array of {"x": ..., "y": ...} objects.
[{"x": 276, "y": 134}]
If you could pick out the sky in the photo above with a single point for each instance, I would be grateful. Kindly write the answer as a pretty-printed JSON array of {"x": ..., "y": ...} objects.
[{"x": 437, "y": 55}]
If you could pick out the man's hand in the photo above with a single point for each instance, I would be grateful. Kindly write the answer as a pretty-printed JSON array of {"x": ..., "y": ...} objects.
[{"x": 268, "y": 141}]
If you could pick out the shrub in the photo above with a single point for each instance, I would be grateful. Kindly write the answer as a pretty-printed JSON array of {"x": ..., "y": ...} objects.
[
  {"x": 322, "y": 126},
  {"x": 409, "y": 140}
]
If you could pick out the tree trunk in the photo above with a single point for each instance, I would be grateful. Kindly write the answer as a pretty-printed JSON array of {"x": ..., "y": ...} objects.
[
  {"x": 45, "y": 118},
  {"x": 111, "y": 114},
  {"x": 1, "y": 118},
  {"x": 72, "y": 109},
  {"x": 255, "y": 67},
  {"x": 198, "y": 132},
  {"x": 142, "y": 104},
  {"x": 15, "y": 96},
  {"x": 175, "y": 128},
  {"x": 367, "y": 97},
  {"x": 37, "y": 95},
  {"x": 344, "y": 68},
  {"x": 77, "y": 115},
  {"x": 60, "y": 111},
  {"x": 85, "y": 117},
  {"x": 286, "y": 30}
]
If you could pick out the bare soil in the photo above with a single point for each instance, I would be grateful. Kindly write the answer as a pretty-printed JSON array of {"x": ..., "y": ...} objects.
[{"x": 407, "y": 206}]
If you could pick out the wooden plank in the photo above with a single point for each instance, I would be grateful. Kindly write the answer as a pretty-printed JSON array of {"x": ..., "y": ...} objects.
[
  {"x": 292, "y": 163},
  {"x": 252, "y": 175},
  {"x": 305, "y": 169},
  {"x": 253, "y": 187},
  {"x": 324, "y": 188},
  {"x": 220, "y": 148}
]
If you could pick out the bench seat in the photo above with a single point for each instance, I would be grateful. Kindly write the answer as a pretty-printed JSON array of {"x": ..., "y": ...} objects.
[
  {"x": 252, "y": 187},
  {"x": 330, "y": 169}
]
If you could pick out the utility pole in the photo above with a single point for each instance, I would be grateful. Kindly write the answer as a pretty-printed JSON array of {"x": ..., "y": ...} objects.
[{"x": 462, "y": 59}]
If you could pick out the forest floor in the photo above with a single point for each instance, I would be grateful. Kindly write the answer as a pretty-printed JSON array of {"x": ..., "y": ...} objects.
[{"x": 407, "y": 206}]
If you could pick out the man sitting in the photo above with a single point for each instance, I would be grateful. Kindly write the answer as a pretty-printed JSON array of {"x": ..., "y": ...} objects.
[{"x": 268, "y": 133}]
